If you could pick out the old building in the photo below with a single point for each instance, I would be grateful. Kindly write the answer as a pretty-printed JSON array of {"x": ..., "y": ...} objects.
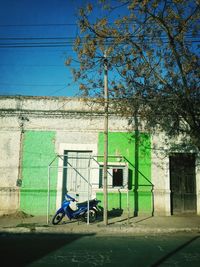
[{"x": 51, "y": 144}]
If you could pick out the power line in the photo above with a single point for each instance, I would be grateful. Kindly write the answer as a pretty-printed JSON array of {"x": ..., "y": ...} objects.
[
  {"x": 37, "y": 38},
  {"x": 28, "y": 84},
  {"x": 71, "y": 38},
  {"x": 35, "y": 43},
  {"x": 33, "y": 65},
  {"x": 56, "y": 44},
  {"x": 37, "y": 65},
  {"x": 69, "y": 41},
  {"x": 39, "y": 25},
  {"x": 58, "y": 90},
  {"x": 34, "y": 46}
]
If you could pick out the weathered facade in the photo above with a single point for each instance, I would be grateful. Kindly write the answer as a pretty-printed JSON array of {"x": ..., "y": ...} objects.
[{"x": 49, "y": 145}]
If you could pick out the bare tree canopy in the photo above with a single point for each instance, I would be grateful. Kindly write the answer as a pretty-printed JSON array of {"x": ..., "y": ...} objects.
[{"x": 152, "y": 51}]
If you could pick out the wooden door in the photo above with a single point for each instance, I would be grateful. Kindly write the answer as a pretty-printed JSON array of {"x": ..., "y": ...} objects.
[
  {"x": 183, "y": 183},
  {"x": 76, "y": 173}
]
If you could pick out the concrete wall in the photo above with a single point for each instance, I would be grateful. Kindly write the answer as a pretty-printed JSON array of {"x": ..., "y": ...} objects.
[
  {"x": 198, "y": 183},
  {"x": 9, "y": 160},
  {"x": 24, "y": 121},
  {"x": 161, "y": 174},
  {"x": 66, "y": 123}
]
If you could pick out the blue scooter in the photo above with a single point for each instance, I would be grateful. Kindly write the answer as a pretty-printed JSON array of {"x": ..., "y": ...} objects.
[{"x": 81, "y": 211}]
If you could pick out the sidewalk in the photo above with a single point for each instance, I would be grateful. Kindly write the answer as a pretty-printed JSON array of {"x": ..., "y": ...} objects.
[{"x": 21, "y": 223}]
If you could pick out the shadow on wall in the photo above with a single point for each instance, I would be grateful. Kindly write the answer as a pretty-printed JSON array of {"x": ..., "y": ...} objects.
[
  {"x": 134, "y": 185},
  {"x": 133, "y": 181}
]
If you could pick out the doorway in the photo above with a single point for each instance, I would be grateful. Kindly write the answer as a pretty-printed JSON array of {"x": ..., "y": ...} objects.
[
  {"x": 182, "y": 183},
  {"x": 76, "y": 173}
]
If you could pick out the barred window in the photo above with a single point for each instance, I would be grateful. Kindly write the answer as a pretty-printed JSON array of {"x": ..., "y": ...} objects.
[{"x": 117, "y": 176}]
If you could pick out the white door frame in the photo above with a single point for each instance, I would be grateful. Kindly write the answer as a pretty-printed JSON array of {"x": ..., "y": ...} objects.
[{"x": 94, "y": 174}]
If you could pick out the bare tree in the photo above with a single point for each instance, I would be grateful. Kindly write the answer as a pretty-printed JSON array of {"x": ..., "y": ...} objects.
[{"x": 152, "y": 50}]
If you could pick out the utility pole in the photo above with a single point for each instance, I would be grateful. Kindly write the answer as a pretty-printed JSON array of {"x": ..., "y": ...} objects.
[{"x": 105, "y": 176}]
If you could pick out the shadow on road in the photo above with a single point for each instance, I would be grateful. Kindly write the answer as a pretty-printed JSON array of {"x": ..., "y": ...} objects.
[
  {"x": 172, "y": 253},
  {"x": 23, "y": 249}
]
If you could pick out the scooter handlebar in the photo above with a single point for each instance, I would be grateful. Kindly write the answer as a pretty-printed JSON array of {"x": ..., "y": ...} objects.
[{"x": 69, "y": 197}]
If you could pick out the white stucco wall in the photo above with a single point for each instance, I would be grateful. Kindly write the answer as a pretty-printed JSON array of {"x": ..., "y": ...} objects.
[
  {"x": 160, "y": 176},
  {"x": 75, "y": 122},
  {"x": 9, "y": 159},
  {"x": 198, "y": 183}
]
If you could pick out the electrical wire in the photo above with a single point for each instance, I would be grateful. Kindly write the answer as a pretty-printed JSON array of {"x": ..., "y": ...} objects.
[
  {"x": 45, "y": 42},
  {"x": 39, "y": 25},
  {"x": 28, "y": 84}
]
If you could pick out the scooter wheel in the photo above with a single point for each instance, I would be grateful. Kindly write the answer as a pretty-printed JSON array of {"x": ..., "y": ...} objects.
[
  {"x": 57, "y": 218},
  {"x": 92, "y": 216}
]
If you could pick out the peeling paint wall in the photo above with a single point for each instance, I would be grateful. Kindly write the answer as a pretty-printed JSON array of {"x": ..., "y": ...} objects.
[
  {"x": 50, "y": 126},
  {"x": 9, "y": 159},
  {"x": 72, "y": 121}
]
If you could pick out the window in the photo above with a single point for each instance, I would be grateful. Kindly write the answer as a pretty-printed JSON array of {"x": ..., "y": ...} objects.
[{"x": 117, "y": 176}]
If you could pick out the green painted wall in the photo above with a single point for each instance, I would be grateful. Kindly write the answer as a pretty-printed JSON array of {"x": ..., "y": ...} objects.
[
  {"x": 38, "y": 152},
  {"x": 135, "y": 147}
]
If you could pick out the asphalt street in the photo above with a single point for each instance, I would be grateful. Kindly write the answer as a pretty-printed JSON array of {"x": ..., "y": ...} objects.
[
  {"x": 43, "y": 249},
  {"x": 142, "y": 242}
]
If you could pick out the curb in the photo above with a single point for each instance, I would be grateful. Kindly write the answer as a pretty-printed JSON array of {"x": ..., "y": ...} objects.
[{"x": 99, "y": 231}]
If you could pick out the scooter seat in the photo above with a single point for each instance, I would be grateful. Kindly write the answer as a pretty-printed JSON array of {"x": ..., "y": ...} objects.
[{"x": 85, "y": 203}]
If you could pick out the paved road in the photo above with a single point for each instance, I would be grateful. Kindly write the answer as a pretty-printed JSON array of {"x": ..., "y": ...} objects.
[{"x": 97, "y": 250}]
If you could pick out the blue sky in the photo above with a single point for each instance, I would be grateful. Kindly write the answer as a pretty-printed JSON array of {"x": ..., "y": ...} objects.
[{"x": 37, "y": 71}]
